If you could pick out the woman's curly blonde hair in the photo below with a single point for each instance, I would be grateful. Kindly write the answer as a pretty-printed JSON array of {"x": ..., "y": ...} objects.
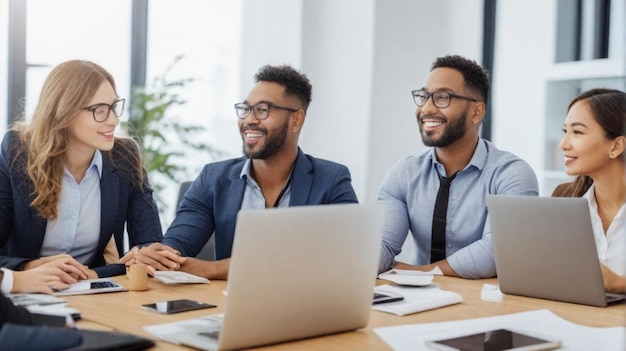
[{"x": 45, "y": 138}]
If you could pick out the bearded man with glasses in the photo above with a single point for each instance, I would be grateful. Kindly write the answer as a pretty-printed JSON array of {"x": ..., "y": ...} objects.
[
  {"x": 440, "y": 195},
  {"x": 274, "y": 172}
]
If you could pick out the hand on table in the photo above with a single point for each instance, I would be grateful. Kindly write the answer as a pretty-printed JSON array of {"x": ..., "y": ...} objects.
[
  {"x": 156, "y": 256},
  {"x": 55, "y": 274},
  {"x": 64, "y": 262}
]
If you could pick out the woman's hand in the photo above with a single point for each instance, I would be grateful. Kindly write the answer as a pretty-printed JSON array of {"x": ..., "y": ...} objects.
[
  {"x": 65, "y": 262},
  {"x": 42, "y": 279},
  {"x": 613, "y": 283}
]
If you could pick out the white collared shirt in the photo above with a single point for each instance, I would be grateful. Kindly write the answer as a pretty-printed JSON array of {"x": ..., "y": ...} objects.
[
  {"x": 6, "y": 286},
  {"x": 76, "y": 230},
  {"x": 253, "y": 196},
  {"x": 611, "y": 245}
]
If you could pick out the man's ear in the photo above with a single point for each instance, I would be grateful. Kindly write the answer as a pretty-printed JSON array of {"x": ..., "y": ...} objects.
[
  {"x": 478, "y": 112},
  {"x": 298, "y": 120}
]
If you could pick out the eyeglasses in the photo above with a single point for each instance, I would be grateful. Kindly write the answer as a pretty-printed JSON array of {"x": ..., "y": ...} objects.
[
  {"x": 441, "y": 99},
  {"x": 101, "y": 111},
  {"x": 261, "y": 110}
]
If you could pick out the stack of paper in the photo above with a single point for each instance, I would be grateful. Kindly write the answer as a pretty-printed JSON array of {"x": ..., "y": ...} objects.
[
  {"x": 571, "y": 335},
  {"x": 416, "y": 299}
]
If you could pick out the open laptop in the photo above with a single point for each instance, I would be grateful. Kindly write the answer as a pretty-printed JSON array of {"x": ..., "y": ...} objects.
[
  {"x": 295, "y": 273},
  {"x": 544, "y": 247}
]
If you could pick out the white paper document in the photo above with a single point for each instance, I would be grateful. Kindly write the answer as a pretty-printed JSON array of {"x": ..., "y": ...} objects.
[
  {"x": 34, "y": 299},
  {"x": 573, "y": 336},
  {"x": 416, "y": 299},
  {"x": 59, "y": 309},
  {"x": 410, "y": 277},
  {"x": 178, "y": 277}
]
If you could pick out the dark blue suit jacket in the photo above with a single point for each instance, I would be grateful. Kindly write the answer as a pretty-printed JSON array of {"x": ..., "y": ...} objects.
[
  {"x": 22, "y": 230},
  {"x": 214, "y": 198}
]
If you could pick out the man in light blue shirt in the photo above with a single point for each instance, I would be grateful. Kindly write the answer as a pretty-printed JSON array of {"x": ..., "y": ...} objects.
[{"x": 451, "y": 107}]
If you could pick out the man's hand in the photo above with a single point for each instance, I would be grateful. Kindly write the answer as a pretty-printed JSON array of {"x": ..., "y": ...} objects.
[
  {"x": 157, "y": 257},
  {"x": 207, "y": 269},
  {"x": 64, "y": 262}
]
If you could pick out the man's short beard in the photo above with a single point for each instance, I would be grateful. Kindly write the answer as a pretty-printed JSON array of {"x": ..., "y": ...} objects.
[
  {"x": 452, "y": 132},
  {"x": 274, "y": 142}
]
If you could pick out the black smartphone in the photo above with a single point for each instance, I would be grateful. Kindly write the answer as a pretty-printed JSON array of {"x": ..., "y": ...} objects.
[
  {"x": 175, "y": 306},
  {"x": 496, "y": 340},
  {"x": 386, "y": 297}
]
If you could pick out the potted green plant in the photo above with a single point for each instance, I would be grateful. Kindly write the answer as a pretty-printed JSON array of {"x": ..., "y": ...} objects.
[{"x": 164, "y": 140}]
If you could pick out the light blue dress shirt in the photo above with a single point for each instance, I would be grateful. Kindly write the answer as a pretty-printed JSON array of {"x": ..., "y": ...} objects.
[
  {"x": 76, "y": 230},
  {"x": 252, "y": 196},
  {"x": 409, "y": 191}
]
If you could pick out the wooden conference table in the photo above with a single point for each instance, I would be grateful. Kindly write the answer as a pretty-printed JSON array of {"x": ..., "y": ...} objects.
[{"x": 122, "y": 312}]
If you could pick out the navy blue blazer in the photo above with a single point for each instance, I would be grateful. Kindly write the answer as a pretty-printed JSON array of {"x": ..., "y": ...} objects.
[
  {"x": 22, "y": 230},
  {"x": 214, "y": 198}
]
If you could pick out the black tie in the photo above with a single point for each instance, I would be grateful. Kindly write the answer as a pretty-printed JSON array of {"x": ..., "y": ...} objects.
[{"x": 438, "y": 245}]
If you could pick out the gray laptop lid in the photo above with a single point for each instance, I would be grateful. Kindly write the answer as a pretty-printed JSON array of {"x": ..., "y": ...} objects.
[
  {"x": 300, "y": 272},
  {"x": 544, "y": 247}
]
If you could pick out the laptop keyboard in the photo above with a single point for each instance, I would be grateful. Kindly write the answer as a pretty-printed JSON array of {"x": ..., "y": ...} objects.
[
  {"x": 213, "y": 331},
  {"x": 213, "y": 334},
  {"x": 102, "y": 285},
  {"x": 612, "y": 298}
]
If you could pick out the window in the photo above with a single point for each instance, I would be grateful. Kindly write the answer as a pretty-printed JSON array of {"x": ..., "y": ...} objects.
[
  {"x": 95, "y": 30},
  {"x": 206, "y": 33},
  {"x": 582, "y": 30}
]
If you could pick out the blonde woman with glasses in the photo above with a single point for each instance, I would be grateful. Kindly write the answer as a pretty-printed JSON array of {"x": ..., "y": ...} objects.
[{"x": 68, "y": 184}]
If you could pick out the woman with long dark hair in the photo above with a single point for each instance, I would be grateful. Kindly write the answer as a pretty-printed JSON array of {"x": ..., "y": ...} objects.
[{"x": 593, "y": 145}]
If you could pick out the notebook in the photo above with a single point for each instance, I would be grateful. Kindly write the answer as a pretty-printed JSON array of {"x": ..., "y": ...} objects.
[
  {"x": 544, "y": 247},
  {"x": 295, "y": 273},
  {"x": 91, "y": 286}
]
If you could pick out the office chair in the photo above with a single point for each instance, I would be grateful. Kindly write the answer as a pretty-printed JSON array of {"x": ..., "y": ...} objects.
[{"x": 208, "y": 251}]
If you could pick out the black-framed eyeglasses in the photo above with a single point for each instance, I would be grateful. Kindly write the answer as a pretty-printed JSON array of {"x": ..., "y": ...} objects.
[
  {"x": 441, "y": 99},
  {"x": 260, "y": 110},
  {"x": 101, "y": 111}
]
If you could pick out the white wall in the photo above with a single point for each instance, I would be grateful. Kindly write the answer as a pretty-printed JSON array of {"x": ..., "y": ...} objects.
[
  {"x": 523, "y": 56},
  {"x": 271, "y": 34},
  {"x": 338, "y": 52}
]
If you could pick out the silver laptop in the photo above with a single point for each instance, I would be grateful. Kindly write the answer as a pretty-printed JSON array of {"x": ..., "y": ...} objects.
[
  {"x": 296, "y": 273},
  {"x": 544, "y": 247}
]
